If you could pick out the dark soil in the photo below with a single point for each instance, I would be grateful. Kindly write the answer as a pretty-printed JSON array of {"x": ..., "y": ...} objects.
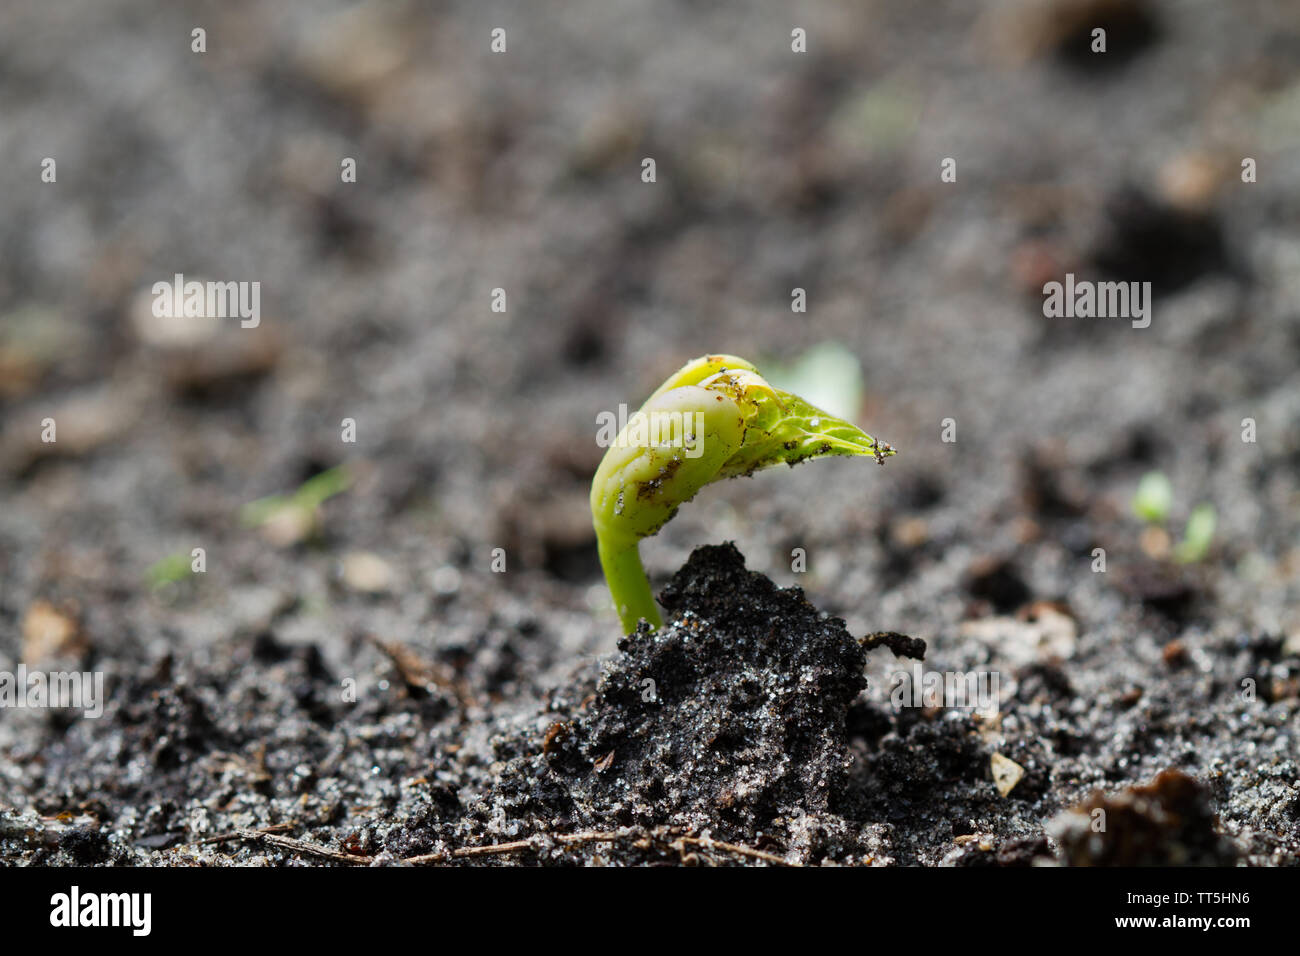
[{"x": 361, "y": 681}]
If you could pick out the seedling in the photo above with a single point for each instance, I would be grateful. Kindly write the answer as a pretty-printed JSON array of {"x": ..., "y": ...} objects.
[
  {"x": 169, "y": 570},
  {"x": 1197, "y": 536},
  {"x": 290, "y": 518},
  {"x": 1154, "y": 498},
  {"x": 1153, "y": 502},
  {"x": 715, "y": 418}
]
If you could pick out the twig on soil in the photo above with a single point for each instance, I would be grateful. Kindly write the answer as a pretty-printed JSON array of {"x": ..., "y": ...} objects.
[
  {"x": 238, "y": 834},
  {"x": 531, "y": 843},
  {"x": 709, "y": 844},
  {"x": 270, "y": 835},
  {"x": 640, "y": 838}
]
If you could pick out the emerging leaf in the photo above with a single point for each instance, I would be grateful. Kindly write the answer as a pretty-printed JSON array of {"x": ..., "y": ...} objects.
[{"x": 715, "y": 418}]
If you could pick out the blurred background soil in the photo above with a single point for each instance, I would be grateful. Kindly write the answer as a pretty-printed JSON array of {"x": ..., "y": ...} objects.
[{"x": 349, "y": 668}]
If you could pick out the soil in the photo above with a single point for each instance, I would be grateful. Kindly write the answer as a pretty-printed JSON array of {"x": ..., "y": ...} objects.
[{"x": 415, "y": 658}]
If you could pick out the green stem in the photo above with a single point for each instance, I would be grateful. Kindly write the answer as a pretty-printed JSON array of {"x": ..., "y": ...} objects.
[{"x": 628, "y": 586}]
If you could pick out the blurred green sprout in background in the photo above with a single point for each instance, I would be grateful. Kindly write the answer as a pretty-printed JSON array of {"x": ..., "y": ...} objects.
[
  {"x": 1153, "y": 502},
  {"x": 288, "y": 519},
  {"x": 827, "y": 375},
  {"x": 170, "y": 570}
]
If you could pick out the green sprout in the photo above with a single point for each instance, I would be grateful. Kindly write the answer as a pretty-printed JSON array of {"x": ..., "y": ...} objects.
[
  {"x": 828, "y": 375},
  {"x": 1154, "y": 498},
  {"x": 1153, "y": 502},
  {"x": 169, "y": 570},
  {"x": 715, "y": 418},
  {"x": 1197, "y": 535},
  {"x": 297, "y": 514}
]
